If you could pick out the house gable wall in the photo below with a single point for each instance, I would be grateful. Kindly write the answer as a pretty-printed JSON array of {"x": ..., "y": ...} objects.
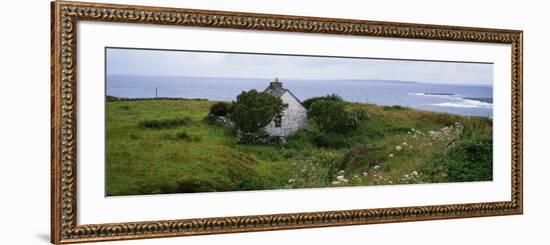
[{"x": 294, "y": 117}]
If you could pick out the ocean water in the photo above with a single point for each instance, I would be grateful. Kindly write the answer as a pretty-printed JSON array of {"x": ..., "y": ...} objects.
[{"x": 455, "y": 99}]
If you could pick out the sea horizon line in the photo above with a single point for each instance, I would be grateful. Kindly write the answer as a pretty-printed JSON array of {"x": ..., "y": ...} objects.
[{"x": 303, "y": 79}]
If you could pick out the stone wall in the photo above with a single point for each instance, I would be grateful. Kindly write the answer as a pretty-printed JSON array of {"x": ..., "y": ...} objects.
[{"x": 294, "y": 118}]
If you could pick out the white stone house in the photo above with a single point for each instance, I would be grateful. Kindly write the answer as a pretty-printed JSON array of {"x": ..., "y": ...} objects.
[{"x": 294, "y": 116}]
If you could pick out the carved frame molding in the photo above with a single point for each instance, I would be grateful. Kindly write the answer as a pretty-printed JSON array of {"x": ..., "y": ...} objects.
[{"x": 65, "y": 16}]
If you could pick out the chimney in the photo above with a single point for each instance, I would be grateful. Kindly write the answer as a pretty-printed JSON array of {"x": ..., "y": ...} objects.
[{"x": 276, "y": 84}]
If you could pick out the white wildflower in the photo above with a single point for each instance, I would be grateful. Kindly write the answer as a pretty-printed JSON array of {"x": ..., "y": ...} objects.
[
  {"x": 390, "y": 182},
  {"x": 376, "y": 167},
  {"x": 390, "y": 155},
  {"x": 335, "y": 182},
  {"x": 344, "y": 180},
  {"x": 356, "y": 176},
  {"x": 365, "y": 174},
  {"x": 404, "y": 143},
  {"x": 340, "y": 177},
  {"x": 290, "y": 181},
  {"x": 341, "y": 171},
  {"x": 414, "y": 173},
  {"x": 398, "y": 148}
]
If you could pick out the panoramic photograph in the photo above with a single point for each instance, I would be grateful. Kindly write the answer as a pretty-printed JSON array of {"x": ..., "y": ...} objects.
[{"x": 185, "y": 121}]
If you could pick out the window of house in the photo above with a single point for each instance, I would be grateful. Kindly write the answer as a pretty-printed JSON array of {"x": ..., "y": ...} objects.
[{"x": 278, "y": 120}]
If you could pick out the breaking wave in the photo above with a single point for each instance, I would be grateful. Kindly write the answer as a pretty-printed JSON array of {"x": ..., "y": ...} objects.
[{"x": 456, "y": 101}]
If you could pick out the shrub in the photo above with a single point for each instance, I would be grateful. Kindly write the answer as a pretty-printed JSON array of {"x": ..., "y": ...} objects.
[
  {"x": 328, "y": 115},
  {"x": 165, "y": 123},
  {"x": 466, "y": 160},
  {"x": 333, "y": 97},
  {"x": 470, "y": 160},
  {"x": 254, "y": 110},
  {"x": 299, "y": 140},
  {"x": 331, "y": 116},
  {"x": 219, "y": 109}
]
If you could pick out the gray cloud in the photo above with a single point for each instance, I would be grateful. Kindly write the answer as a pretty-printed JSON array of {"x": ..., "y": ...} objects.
[{"x": 208, "y": 64}]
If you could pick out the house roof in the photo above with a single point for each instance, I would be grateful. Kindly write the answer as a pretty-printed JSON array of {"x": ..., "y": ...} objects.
[{"x": 276, "y": 89}]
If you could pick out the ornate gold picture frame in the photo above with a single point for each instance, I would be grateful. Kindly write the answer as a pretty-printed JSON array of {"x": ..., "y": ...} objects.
[{"x": 64, "y": 107}]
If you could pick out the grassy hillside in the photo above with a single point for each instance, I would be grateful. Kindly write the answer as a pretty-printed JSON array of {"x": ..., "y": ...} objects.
[{"x": 165, "y": 146}]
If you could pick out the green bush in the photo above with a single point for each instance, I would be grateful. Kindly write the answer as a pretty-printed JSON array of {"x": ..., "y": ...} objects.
[
  {"x": 219, "y": 109},
  {"x": 254, "y": 110},
  {"x": 465, "y": 160},
  {"x": 328, "y": 115},
  {"x": 299, "y": 140},
  {"x": 470, "y": 160},
  {"x": 333, "y": 97},
  {"x": 331, "y": 116},
  {"x": 165, "y": 123}
]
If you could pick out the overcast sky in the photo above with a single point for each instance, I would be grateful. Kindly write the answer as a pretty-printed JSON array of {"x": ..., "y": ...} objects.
[{"x": 205, "y": 64}]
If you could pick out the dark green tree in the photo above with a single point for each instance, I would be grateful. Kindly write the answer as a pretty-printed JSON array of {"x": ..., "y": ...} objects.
[
  {"x": 328, "y": 115},
  {"x": 253, "y": 110}
]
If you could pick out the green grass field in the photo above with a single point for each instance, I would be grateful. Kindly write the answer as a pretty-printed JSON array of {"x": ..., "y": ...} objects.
[{"x": 166, "y": 146}]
